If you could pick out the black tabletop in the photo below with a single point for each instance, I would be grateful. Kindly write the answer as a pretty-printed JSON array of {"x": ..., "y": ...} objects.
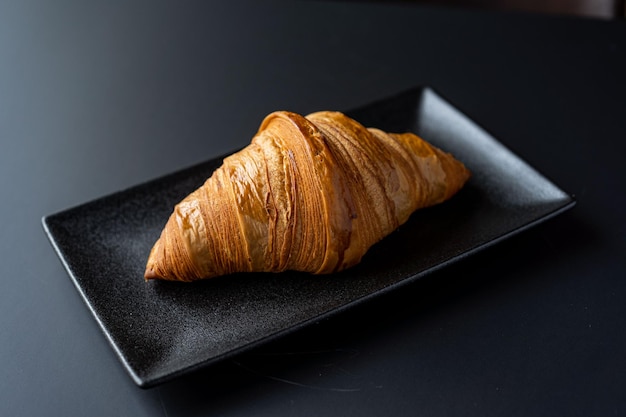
[{"x": 99, "y": 97}]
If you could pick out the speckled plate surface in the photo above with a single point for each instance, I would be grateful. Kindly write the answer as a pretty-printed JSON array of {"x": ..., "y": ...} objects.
[{"x": 162, "y": 330}]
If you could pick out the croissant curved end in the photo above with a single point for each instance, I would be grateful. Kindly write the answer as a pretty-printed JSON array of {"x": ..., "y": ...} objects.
[
  {"x": 151, "y": 270},
  {"x": 150, "y": 274}
]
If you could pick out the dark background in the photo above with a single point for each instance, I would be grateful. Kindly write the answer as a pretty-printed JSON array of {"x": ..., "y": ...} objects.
[{"x": 98, "y": 97}]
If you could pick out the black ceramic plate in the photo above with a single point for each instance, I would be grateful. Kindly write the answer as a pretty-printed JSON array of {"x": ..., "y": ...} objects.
[{"x": 161, "y": 330}]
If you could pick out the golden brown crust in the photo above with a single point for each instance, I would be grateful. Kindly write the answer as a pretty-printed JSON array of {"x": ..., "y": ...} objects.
[{"x": 309, "y": 193}]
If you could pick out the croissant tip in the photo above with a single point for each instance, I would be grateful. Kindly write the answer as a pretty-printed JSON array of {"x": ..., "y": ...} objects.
[{"x": 150, "y": 274}]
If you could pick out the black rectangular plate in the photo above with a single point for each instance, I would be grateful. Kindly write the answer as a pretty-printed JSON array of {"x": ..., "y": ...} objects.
[{"x": 161, "y": 330}]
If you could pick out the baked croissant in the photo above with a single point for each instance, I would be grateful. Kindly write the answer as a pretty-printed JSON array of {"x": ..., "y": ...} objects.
[{"x": 309, "y": 194}]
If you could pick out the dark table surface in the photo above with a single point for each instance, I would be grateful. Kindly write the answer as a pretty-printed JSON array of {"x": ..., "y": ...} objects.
[{"x": 97, "y": 97}]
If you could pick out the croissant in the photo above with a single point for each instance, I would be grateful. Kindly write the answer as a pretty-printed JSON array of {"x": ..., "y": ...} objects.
[{"x": 309, "y": 194}]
